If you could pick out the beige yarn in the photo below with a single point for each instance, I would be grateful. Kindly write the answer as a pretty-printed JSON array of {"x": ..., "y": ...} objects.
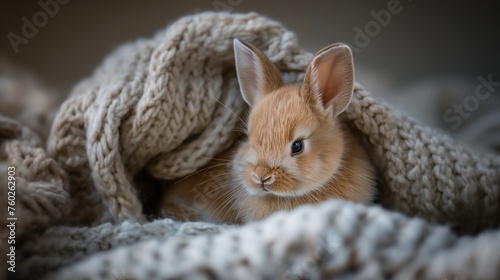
[
  {"x": 424, "y": 173},
  {"x": 170, "y": 103},
  {"x": 41, "y": 184}
]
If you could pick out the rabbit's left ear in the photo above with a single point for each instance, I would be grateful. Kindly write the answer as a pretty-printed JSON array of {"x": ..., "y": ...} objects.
[
  {"x": 329, "y": 78},
  {"x": 257, "y": 75}
]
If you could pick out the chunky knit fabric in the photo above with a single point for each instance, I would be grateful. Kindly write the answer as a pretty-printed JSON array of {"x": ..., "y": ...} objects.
[{"x": 170, "y": 103}]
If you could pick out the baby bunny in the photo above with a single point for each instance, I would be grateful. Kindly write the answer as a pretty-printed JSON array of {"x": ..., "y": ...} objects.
[{"x": 298, "y": 149}]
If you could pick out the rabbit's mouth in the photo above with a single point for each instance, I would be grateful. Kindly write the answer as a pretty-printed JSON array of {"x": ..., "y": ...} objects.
[
  {"x": 257, "y": 191},
  {"x": 273, "y": 190}
]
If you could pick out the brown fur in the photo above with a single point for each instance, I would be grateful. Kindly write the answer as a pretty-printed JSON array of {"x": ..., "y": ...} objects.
[{"x": 332, "y": 165}]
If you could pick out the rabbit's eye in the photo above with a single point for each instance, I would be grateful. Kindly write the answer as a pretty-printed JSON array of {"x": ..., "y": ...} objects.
[{"x": 297, "y": 147}]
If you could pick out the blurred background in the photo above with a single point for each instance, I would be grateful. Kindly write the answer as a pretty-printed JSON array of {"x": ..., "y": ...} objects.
[{"x": 426, "y": 58}]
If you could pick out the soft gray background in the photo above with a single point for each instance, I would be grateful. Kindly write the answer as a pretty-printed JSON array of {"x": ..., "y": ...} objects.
[{"x": 427, "y": 41}]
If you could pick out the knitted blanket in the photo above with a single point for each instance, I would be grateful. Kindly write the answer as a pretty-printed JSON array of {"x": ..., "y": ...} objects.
[{"x": 170, "y": 103}]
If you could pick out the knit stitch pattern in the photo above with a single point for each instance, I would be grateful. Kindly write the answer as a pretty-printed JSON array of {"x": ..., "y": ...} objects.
[{"x": 169, "y": 104}]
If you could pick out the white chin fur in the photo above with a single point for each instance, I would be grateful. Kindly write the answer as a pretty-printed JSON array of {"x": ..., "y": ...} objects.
[
  {"x": 254, "y": 192},
  {"x": 294, "y": 194},
  {"x": 259, "y": 193}
]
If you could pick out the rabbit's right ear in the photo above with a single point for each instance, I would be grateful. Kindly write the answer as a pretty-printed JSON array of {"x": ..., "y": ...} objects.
[
  {"x": 257, "y": 75},
  {"x": 329, "y": 79}
]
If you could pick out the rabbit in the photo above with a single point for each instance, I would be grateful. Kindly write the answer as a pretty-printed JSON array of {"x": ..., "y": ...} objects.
[{"x": 298, "y": 150}]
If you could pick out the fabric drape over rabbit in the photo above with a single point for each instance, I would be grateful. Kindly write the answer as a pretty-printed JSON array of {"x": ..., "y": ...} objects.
[{"x": 170, "y": 103}]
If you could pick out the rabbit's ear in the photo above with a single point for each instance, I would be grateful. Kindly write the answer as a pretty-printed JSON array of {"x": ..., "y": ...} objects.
[
  {"x": 257, "y": 75},
  {"x": 329, "y": 79}
]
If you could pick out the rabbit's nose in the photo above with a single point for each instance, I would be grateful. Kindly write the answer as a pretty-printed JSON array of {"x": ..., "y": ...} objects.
[
  {"x": 266, "y": 179},
  {"x": 263, "y": 181}
]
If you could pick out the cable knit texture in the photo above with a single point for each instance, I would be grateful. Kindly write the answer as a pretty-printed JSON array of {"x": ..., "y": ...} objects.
[{"x": 168, "y": 105}]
